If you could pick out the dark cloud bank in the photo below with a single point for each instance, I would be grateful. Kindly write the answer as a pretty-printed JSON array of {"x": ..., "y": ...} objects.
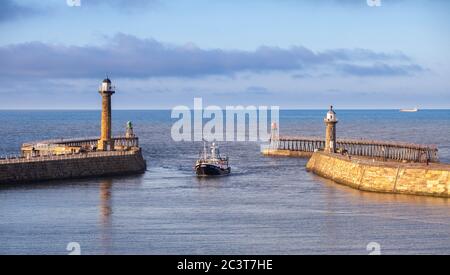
[
  {"x": 124, "y": 5},
  {"x": 128, "y": 56},
  {"x": 10, "y": 10}
]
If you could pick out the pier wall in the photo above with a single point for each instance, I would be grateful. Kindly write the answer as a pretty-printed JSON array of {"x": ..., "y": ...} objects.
[
  {"x": 69, "y": 167},
  {"x": 419, "y": 179},
  {"x": 286, "y": 153}
]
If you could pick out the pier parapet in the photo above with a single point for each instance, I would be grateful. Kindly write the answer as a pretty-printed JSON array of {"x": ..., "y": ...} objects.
[{"x": 74, "y": 146}]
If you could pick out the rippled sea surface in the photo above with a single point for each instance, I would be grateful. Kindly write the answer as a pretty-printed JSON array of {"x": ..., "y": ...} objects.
[{"x": 267, "y": 205}]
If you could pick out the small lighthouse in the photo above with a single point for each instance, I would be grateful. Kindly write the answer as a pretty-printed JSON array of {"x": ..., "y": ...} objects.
[
  {"x": 274, "y": 136},
  {"x": 129, "y": 133},
  {"x": 106, "y": 91},
  {"x": 330, "y": 136}
]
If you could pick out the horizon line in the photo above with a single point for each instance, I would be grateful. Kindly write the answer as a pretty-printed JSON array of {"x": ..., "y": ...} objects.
[{"x": 169, "y": 109}]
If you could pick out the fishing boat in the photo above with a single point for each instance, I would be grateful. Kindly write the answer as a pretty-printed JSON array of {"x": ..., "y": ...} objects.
[
  {"x": 212, "y": 164},
  {"x": 409, "y": 110}
]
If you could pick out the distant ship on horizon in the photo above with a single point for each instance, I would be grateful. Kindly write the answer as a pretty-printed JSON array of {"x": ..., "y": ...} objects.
[{"x": 409, "y": 110}]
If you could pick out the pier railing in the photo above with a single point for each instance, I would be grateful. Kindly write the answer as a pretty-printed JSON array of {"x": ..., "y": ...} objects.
[
  {"x": 399, "y": 151},
  {"x": 87, "y": 142},
  {"x": 20, "y": 159}
]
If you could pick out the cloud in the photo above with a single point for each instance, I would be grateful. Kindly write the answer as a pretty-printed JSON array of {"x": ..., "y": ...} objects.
[
  {"x": 301, "y": 76},
  {"x": 380, "y": 69},
  {"x": 10, "y": 10},
  {"x": 365, "y": 55},
  {"x": 359, "y": 3},
  {"x": 128, "y": 56},
  {"x": 257, "y": 90},
  {"x": 125, "y": 5}
]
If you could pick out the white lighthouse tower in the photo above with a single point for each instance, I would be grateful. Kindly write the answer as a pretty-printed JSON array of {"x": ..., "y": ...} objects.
[{"x": 330, "y": 135}]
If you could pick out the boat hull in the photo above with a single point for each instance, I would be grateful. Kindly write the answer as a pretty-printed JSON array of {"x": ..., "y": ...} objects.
[{"x": 211, "y": 170}]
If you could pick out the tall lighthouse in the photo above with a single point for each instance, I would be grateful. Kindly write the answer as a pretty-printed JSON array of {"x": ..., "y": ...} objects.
[
  {"x": 106, "y": 91},
  {"x": 330, "y": 135}
]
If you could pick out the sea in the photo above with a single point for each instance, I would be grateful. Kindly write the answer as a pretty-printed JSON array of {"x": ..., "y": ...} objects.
[{"x": 268, "y": 205}]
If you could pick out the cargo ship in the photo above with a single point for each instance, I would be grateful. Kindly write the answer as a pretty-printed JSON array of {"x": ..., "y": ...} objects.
[{"x": 409, "y": 110}]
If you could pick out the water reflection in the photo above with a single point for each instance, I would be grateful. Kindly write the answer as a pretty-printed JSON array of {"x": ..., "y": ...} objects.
[
  {"x": 211, "y": 182},
  {"x": 105, "y": 208},
  {"x": 358, "y": 196}
]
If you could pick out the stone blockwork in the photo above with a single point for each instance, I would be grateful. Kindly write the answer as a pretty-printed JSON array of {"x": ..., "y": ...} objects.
[
  {"x": 387, "y": 177},
  {"x": 89, "y": 166},
  {"x": 286, "y": 153}
]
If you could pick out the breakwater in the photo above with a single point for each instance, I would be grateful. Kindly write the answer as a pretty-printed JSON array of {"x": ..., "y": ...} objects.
[
  {"x": 382, "y": 176},
  {"x": 91, "y": 164}
]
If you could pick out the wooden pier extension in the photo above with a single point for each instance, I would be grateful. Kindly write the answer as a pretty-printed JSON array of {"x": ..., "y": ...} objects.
[{"x": 398, "y": 151}]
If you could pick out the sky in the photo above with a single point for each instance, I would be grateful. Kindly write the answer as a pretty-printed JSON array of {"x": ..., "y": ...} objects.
[{"x": 163, "y": 53}]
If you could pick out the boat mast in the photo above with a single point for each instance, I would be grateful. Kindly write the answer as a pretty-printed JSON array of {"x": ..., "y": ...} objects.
[
  {"x": 204, "y": 150},
  {"x": 213, "y": 151}
]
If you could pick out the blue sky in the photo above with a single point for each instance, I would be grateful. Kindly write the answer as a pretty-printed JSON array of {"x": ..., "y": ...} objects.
[{"x": 290, "y": 53}]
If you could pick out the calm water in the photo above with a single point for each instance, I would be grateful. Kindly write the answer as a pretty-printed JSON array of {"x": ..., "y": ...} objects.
[{"x": 267, "y": 206}]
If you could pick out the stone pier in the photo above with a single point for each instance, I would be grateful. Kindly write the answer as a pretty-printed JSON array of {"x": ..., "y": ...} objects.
[
  {"x": 383, "y": 176},
  {"x": 92, "y": 164}
]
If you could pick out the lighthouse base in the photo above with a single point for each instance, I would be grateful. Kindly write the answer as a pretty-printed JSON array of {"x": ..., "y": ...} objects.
[{"x": 105, "y": 145}]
